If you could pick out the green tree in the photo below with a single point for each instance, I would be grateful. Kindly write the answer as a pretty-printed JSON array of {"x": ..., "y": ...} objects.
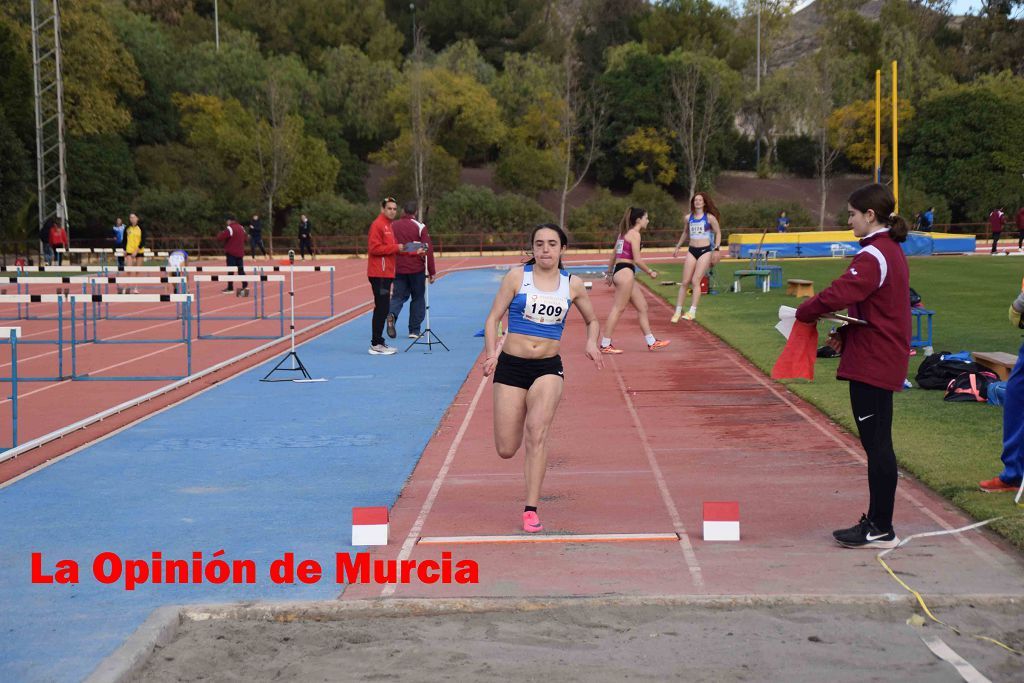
[
  {"x": 351, "y": 88},
  {"x": 16, "y": 129},
  {"x": 650, "y": 151},
  {"x": 528, "y": 169},
  {"x": 104, "y": 181},
  {"x": 852, "y": 127},
  {"x": 100, "y": 75},
  {"x": 441, "y": 173},
  {"x": 966, "y": 144},
  {"x": 704, "y": 94},
  {"x": 699, "y": 26},
  {"x": 471, "y": 209},
  {"x": 309, "y": 27}
]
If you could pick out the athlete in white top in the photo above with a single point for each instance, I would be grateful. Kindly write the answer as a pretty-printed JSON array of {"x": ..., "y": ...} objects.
[
  {"x": 528, "y": 373},
  {"x": 705, "y": 237}
]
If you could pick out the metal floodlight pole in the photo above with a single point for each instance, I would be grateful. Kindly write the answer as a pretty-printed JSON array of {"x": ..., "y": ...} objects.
[
  {"x": 216, "y": 25},
  {"x": 48, "y": 84},
  {"x": 757, "y": 134}
]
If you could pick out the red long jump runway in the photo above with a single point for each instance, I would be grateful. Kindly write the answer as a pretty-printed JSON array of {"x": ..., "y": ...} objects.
[{"x": 636, "y": 449}]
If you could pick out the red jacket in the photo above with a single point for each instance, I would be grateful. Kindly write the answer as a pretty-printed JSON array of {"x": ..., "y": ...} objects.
[
  {"x": 58, "y": 237},
  {"x": 233, "y": 237},
  {"x": 408, "y": 229},
  {"x": 875, "y": 288},
  {"x": 995, "y": 220},
  {"x": 381, "y": 250}
]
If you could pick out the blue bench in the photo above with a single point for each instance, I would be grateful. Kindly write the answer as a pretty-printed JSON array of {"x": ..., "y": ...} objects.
[
  {"x": 762, "y": 277},
  {"x": 921, "y": 331}
]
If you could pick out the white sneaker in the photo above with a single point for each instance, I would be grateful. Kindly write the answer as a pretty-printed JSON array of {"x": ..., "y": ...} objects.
[
  {"x": 413, "y": 335},
  {"x": 382, "y": 350}
]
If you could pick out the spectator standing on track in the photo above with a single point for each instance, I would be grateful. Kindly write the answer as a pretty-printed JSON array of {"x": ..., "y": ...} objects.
[
  {"x": 380, "y": 270},
  {"x": 528, "y": 375},
  {"x": 256, "y": 236},
  {"x": 995, "y": 225},
  {"x": 1013, "y": 418},
  {"x": 875, "y": 288},
  {"x": 133, "y": 240},
  {"x": 233, "y": 239},
  {"x": 305, "y": 237},
  {"x": 44, "y": 240},
  {"x": 410, "y": 275},
  {"x": 119, "y": 231},
  {"x": 1020, "y": 229},
  {"x": 59, "y": 241},
  {"x": 782, "y": 222},
  {"x": 622, "y": 274}
]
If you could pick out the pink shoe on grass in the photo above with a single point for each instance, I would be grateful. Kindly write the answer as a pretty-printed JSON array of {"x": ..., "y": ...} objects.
[{"x": 531, "y": 522}]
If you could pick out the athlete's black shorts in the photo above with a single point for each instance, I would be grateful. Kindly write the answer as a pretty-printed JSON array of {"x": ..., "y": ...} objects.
[
  {"x": 621, "y": 266},
  {"x": 523, "y": 372},
  {"x": 697, "y": 252}
]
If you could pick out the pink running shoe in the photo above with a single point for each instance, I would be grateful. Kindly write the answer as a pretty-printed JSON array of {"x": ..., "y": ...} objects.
[
  {"x": 658, "y": 344},
  {"x": 531, "y": 523}
]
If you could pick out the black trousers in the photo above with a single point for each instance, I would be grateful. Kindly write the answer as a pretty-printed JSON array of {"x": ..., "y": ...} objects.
[
  {"x": 872, "y": 410},
  {"x": 381, "y": 287},
  {"x": 305, "y": 244},
  {"x": 236, "y": 262},
  {"x": 256, "y": 240},
  {"x": 995, "y": 240}
]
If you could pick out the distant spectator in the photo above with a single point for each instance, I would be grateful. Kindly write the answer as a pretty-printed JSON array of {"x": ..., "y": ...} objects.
[
  {"x": 1020, "y": 228},
  {"x": 133, "y": 239},
  {"x": 305, "y": 237},
  {"x": 256, "y": 236},
  {"x": 782, "y": 222},
  {"x": 44, "y": 239},
  {"x": 233, "y": 239},
  {"x": 995, "y": 225},
  {"x": 119, "y": 232},
  {"x": 928, "y": 219},
  {"x": 59, "y": 241}
]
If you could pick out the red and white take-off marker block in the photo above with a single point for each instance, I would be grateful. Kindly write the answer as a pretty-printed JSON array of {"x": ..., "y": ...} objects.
[
  {"x": 722, "y": 521},
  {"x": 370, "y": 526}
]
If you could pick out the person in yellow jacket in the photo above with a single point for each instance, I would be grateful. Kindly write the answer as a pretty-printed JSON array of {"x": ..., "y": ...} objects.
[{"x": 133, "y": 240}]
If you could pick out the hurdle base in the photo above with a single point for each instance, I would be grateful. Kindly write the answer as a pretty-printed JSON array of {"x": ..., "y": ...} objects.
[
  {"x": 300, "y": 367},
  {"x": 429, "y": 339}
]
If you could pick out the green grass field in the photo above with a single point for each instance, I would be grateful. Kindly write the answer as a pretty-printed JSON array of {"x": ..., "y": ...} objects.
[{"x": 948, "y": 446}]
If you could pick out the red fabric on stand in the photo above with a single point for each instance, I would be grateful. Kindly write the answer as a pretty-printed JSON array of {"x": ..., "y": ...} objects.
[{"x": 797, "y": 358}]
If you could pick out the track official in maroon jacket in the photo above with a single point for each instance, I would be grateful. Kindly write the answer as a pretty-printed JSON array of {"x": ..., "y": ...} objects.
[
  {"x": 410, "y": 272},
  {"x": 876, "y": 289},
  {"x": 233, "y": 238}
]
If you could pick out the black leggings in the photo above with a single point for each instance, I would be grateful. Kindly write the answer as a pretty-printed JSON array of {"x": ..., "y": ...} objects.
[
  {"x": 381, "y": 287},
  {"x": 872, "y": 410}
]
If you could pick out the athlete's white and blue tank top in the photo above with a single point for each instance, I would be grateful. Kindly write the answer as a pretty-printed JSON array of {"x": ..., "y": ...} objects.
[
  {"x": 700, "y": 228},
  {"x": 538, "y": 313}
]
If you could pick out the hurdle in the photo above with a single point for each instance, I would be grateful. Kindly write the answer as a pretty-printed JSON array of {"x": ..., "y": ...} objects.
[
  {"x": 9, "y": 335},
  {"x": 306, "y": 269},
  {"x": 179, "y": 282},
  {"x": 22, "y": 283},
  {"x": 260, "y": 283},
  {"x": 186, "y": 338},
  {"x": 59, "y": 299}
]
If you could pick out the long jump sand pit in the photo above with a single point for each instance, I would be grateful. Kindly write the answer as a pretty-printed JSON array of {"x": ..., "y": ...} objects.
[{"x": 647, "y": 639}]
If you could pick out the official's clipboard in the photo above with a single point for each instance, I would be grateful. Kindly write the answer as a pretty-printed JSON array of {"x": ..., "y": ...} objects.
[{"x": 839, "y": 317}]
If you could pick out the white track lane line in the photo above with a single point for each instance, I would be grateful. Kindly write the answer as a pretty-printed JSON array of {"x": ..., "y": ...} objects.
[{"x": 666, "y": 497}]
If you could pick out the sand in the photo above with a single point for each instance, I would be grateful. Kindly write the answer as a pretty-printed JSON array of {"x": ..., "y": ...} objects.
[{"x": 595, "y": 644}]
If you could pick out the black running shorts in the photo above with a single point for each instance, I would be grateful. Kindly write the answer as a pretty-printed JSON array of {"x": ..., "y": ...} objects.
[{"x": 523, "y": 372}]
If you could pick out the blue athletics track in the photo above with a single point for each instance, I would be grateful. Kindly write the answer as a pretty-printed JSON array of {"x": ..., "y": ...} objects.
[{"x": 253, "y": 469}]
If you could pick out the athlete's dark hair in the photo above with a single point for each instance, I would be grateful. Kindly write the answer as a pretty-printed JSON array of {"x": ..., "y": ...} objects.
[
  {"x": 629, "y": 219},
  {"x": 550, "y": 226},
  {"x": 879, "y": 198}
]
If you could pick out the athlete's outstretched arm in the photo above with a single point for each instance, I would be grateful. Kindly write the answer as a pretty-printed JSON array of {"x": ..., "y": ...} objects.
[
  {"x": 635, "y": 241},
  {"x": 509, "y": 286},
  {"x": 582, "y": 301},
  {"x": 682, "y": 237}
]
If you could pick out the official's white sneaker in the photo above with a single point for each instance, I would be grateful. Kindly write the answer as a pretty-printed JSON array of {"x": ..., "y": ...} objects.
[{"x": 382, "y": 350}]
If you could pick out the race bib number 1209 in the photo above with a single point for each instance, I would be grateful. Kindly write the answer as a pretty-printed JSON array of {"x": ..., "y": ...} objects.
[{"x": 545, "y": 309}]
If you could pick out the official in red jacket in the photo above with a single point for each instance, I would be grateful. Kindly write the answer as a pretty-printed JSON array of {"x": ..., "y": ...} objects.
[
  {"x": 876, "y": 289},
  {"x": 380, "y": 269},
  {"x": 233, "y": 238}
]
